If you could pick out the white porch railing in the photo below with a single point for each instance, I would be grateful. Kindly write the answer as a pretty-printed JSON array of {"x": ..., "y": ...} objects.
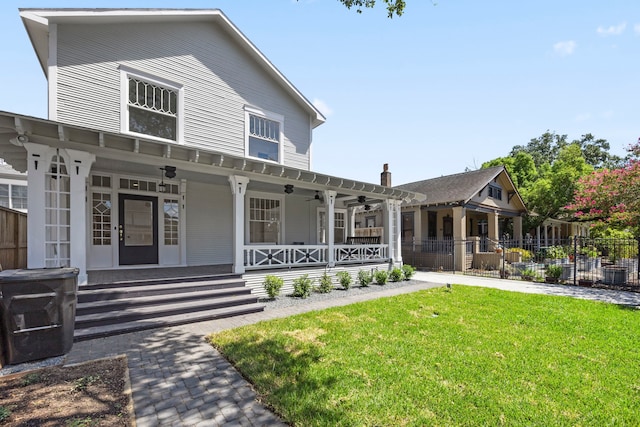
[
  {"x": 272, "y": 256},
  {"x": 279, "y": 256},
  {"x": 360, "y": 253}
]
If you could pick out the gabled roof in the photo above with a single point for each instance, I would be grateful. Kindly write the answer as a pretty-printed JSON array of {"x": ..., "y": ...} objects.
[
  {"x": 458, "y": 188},
  {"x": 38, "y": 21}
]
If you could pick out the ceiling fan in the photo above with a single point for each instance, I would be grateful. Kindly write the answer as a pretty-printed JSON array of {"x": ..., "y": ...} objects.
[{"x": 317, "y": 197}]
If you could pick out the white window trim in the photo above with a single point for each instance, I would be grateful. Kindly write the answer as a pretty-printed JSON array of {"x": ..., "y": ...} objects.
[
  {"x": 125, "y": 73},
  {"x": 247, "y": 215},
  {"x": 249, "y": 110},
  {"x": 335, "y": 211}
]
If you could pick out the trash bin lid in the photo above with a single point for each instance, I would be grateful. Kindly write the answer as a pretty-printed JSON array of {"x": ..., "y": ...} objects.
[{"x": 28, "y": 275}]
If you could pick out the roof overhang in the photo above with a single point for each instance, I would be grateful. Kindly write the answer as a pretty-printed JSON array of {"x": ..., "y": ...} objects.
[
  {"x": 38, "y": 21},
  {"x": 16, "y": 129}
]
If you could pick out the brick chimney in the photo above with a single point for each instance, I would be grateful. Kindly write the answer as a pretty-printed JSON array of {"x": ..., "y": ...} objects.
[{"x": 385, "y": 176}]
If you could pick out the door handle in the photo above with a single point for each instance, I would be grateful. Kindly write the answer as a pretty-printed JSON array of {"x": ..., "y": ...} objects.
[{"x": 121, "y": 232}]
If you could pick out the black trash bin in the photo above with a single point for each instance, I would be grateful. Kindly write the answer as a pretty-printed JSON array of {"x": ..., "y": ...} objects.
[{"x": 38, "y": 310}]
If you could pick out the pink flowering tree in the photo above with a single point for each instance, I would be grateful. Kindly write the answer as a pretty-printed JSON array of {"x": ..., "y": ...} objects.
[{"x": 611, "y": 197}]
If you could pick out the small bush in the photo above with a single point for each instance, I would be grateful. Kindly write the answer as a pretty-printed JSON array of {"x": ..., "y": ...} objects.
[
  {"x": 396, "y": 274},
  {"x": 326, "y": 284},
  {"x": 364, "y": 278},
  {"x": 344, "y": 278},
  {"x": 381, "y": 277},
  {"x": 5, "y": 413},
  {"x": 554, "y": 271},
  {"x": 273, "y": 284},
  {"x": 302, "y": 286},
  {"x": 408, "y": 271}
]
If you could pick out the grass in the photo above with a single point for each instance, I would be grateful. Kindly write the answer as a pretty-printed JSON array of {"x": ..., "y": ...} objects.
[{"x": 466, "y": 356}]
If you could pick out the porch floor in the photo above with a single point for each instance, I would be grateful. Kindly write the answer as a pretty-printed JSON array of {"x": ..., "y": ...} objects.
[{"x": 154, "y": 273}]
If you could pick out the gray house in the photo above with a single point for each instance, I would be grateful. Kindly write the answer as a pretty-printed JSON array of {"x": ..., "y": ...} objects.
[{"x": 172, "y": 141}]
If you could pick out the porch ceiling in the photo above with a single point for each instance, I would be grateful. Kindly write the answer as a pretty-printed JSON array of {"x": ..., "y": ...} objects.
[{"x": 129, "y": 155}]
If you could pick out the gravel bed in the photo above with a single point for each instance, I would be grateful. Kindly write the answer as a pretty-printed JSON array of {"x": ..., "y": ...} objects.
[
  {"x": 30, "y": 366},
  {"x": 283, "y": 301}
]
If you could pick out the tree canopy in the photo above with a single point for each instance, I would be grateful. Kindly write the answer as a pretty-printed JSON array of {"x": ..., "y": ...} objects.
[
  {"x": 548, "y": 168},
  {"x": 611, "y": 196},
  {"x": 394, "y": 7}
]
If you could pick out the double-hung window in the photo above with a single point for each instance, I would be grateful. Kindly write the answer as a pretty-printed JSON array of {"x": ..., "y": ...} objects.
[
  {"x": 265, "y": 219},
  {"x": 151, "y": 106},
  {"x": 263, "y": 132}
]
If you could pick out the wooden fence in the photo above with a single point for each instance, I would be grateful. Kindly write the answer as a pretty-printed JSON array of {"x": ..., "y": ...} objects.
[{"x": 13, "y": 239}]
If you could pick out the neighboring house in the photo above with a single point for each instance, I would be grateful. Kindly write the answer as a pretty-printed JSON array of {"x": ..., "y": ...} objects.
[
  {"x": 477, "y": 206},
  {"x": 13, "y": 188},
  {"x": 173, "y": 141}
]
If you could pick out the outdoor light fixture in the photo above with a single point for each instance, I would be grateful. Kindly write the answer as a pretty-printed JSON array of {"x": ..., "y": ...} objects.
[
  {"x": 169, "y": 171},
  {"x": 367, "y": 207},
  {"x": 361, "y": 199},
  {"x": 288, "y": 188}
]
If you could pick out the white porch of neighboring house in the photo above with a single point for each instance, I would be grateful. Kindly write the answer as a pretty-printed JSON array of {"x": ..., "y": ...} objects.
[{"x": 100, "y": 201}]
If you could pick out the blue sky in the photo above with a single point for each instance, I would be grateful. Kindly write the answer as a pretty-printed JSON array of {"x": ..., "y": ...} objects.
[{"x": 445, "y": 87}]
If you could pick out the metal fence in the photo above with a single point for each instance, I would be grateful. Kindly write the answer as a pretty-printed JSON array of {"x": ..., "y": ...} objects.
[{"x": 583, "y": 261}]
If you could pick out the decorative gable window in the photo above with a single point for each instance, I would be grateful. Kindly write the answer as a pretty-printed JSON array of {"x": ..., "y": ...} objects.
[
  {"x": 495, "y": 192},
  {"x": 263, "y": 132},
  {"x": 151, "y": 106}
]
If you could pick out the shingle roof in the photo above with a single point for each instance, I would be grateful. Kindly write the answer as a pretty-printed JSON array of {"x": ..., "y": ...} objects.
[{"x": 459, "y": 187}]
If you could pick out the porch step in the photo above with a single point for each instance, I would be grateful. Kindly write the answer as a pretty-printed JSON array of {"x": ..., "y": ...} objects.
[{"x": 110, "y": 309}]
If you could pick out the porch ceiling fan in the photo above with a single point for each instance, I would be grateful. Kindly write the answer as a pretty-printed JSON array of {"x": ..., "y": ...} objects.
[{"x": 317, "y": 196}]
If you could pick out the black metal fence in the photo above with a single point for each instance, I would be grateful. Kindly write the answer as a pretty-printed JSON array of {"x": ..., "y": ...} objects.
[{"x": 583, "y": 261}]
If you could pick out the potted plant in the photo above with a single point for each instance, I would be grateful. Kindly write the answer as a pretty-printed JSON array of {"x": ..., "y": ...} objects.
[
  {"x": 589, "y": 255},
  {"x": 553, "y": 273},
  {"x": 556, "y": 255},
  {"x": 528, "y": 274}
]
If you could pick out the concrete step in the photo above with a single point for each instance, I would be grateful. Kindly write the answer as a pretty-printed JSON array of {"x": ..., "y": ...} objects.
[
  {"x": 107, "y": 309},
  {"x": 125, "y": 301},
  {"x": 87, "y": 333},
  {"x": 143, "y": 289},
  {"x": 159, "y": 310}
]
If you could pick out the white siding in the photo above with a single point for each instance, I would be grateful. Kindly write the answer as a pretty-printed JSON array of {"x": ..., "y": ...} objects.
[
  {"x": 209, "y": 224},
  {"x": 219, "y": 79}
]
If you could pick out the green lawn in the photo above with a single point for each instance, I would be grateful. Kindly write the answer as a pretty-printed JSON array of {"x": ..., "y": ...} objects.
[{"x": 466, "y": 356}]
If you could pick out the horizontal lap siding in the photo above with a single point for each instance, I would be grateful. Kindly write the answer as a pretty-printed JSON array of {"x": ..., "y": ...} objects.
[
  {"x": 209, "y": 224},
  {"x": 219, "y": 79}
]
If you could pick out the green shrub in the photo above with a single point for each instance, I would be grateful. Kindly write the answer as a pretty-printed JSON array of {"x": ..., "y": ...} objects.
[
  {"x": 272, "y": 284},
  {"x": 396, "y": 274},
  {"x": 326, "y": 284},
  {"x": 302, "y": 286},
  {"x": 408, "y": 271},
  {"x": 364, "y": 278},
  {"x": 554, "y": 271},
  {"x": 344, "y": 278},
  {"x": 381, "y": 277},
  {"x": 555, "y": 252},
  {"x": 5, "y": 413},
  {"x": 528, "y": 273}
]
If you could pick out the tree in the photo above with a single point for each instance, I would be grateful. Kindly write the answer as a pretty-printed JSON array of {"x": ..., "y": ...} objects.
[
  {"x": 611, "y": 197},
  {"x": 394, "y": 7}
]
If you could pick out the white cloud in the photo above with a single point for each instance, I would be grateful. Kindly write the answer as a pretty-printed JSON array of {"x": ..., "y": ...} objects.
[
  {"x": 323, "y": 107},
  {"x": 613, "y": 30},
  {"x": 564, "y": 48}
]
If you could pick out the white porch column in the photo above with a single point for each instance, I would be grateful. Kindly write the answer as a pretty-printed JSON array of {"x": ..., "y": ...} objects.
[
  {"x": 517, "y": 229},
  {"x": 238, "y": 190},
  {"x": 38, "y": 160},
  {"x": 392, "y": 232},
  {"x": 460, "y": 236},
  {"x": 330, "y": 204},
  {"x": 78, "y": 169},
  {"x": 351, "y": 221},
  {"x": 493, "y": 228}
]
